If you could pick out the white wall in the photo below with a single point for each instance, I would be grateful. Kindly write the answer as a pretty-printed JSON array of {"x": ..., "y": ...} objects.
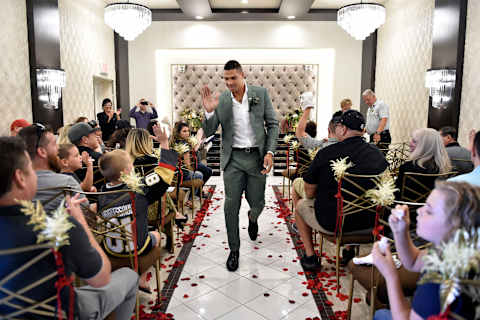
[
  {"x": 185, "y": 35},
  {"x": 14, "y": 65}
]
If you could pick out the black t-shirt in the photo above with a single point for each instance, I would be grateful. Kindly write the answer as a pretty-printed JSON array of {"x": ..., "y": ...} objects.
[
  {"x": 97, "y": 175},
  {"x": 145, "y": 165},
  {"x": 73, "y": 175},
  {"x": 118, "y": 208},
  {"x": 367, "y": 160},
  {"x": 426, "y": 302},
  {"x": 79, "y": 257}
]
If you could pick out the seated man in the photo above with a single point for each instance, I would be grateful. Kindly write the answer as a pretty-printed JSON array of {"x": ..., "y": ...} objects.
[
  {"x": 117, "y": 208},
  {"x": 319, "y": 183},
  {"x": 472, "y": 177},
  {"x": 459, "y": 156},
  {"x": 106, "y": 292},
  {"x": 43, "y": 150}
]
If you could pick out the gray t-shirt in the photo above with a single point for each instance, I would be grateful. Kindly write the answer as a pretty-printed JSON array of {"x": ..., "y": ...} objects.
[
  {"x": 375, "y": 113},
  {"x": 48, "y": 179},
  {"x": 312, "y": 143}
]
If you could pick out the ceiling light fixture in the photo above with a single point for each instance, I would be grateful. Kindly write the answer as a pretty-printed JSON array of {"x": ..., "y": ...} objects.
[
  {"x": 244, "y": 11},
  {"x": 244, "y": 1},
  {"x": 198, "y": 17},
  {"x": 361, "y": 19},
  {"x": 290, "y": 17},
  {"x": 128, "y": 19}
]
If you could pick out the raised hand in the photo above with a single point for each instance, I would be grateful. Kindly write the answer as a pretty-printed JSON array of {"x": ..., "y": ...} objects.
[
  {"x": 161, "y": 135},
  {"x": 209, "y": 100},
  {"x": 86, "y": 158},
  {"x": 399, "y": 220}
]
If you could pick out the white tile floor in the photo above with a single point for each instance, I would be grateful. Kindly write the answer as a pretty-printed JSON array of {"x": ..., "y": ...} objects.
[{"x": 266, "y": 285}]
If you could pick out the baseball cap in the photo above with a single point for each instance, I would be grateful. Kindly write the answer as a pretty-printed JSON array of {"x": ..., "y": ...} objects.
[
  {"x": 353, "y": 120},
  {"x": 22, "y": 123},
  {"x": 79, "y": 130}
]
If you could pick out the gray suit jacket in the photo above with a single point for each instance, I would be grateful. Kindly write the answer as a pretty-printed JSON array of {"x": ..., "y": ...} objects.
[{"x": 263, "y": 120}]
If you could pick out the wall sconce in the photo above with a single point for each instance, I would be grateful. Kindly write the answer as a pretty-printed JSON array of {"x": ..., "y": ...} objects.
[
  {"x": 49, "y": 84},
  {"x": 441, "y": 83}
]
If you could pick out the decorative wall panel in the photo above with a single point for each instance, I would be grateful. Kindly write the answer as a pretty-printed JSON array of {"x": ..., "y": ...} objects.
[
  {"x": 404, "y": 53},
  {"x": 87, "y": 49},
  {"x": 470, "y": 106},
  {"x": 14, "y": 66},
  {"x": 284, "y": 83}
]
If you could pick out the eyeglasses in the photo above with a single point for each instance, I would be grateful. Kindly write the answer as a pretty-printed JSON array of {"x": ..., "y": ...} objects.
[{"x": 40, "y": 130}]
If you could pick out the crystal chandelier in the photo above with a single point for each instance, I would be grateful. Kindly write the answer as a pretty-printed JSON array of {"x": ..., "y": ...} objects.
[
  {"x": 361, "y": 19},
  {"x": 49, "y": 85},
  {"x": 128, "y": 19},
  {"x": 441, "y": 83}
]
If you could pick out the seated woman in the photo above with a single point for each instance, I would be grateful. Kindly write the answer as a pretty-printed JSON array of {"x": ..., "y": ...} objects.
[
  {"x": 139, "y": 146},
  {"x": 195, "y": 169},
  {"x": 427, "y": 155},
  {"x": 451, "y": 206}
]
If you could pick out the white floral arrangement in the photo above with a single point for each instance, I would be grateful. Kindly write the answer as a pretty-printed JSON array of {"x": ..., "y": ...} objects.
[
  {"x": 53, "y": 228},
  {"x": 181, "y": 148},
  {"x": 193, "y": 118},
  {"x": 384, "y": 193},
  {"x": 455, "y": 265},
  {"x": 313, "y": 152},
  {"x": 287, "y": 138},
  {"x": 339, "y": 167},
  {"x": 133, "y": 181},
  {"x": 192, "y": 141},
  {"x": 294, "y": 145}
]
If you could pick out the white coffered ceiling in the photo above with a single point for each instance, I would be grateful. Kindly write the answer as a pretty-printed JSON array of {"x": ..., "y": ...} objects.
[{"x": 252, "y": 4}]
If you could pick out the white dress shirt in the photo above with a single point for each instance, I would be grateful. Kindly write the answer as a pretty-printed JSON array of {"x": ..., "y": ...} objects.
[{"x": 243, "y": 135}]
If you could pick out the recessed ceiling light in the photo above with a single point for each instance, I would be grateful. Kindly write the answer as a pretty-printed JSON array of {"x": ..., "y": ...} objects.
[
  {"x": 244, "y": 11},
  {"x": 290, "y": 17},
  {"x": 198, "y": 17},
  {"x": 244, "y": 1}
]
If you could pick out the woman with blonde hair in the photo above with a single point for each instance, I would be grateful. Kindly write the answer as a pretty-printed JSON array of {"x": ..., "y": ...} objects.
[
  {"x": 139, "y": 146},
  {"x": 63, "y": 134},
  {"x": 427, "y": 155},
  {"x": 450, "y": 207}
]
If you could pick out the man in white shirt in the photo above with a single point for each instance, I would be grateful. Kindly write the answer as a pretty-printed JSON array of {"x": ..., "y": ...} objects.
[
  {"x": 378, "y": 119},
  {"x": 249, "y": 137}
]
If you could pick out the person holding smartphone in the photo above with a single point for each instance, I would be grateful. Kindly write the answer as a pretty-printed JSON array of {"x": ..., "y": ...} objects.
[{"x": 143, "y": 112}]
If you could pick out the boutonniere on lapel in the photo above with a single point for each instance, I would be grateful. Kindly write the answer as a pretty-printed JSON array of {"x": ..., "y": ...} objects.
[{"x": 252, "y": 101}]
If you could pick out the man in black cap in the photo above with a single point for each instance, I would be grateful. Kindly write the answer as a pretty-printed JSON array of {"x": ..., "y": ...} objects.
[
  {"x": 85, "y": 138},
  {"x": 319, "y": 209}
]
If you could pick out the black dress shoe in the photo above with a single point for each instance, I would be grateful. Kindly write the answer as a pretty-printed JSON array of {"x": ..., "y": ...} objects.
[
  {"x": 311, "y": 263},
  {"x": 252, "y": 228},
  {"x": 232, "y": 261},
  {"x": 347, "y": 255}
]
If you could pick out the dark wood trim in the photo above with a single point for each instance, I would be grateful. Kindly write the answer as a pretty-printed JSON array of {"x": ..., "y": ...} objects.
[
  {"x": 236, "y": 15},
  {"x": 43, "y": 24},
  {"x": 122, "y": 83},
  {"x": 369, "y": 64},
  {"x": 448, "y": 52}
]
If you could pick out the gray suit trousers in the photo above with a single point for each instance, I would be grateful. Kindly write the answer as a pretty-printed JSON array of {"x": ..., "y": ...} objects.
[{"x": 242, "y": 173}]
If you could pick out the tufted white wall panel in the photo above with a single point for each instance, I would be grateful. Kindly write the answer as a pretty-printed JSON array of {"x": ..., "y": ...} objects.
[
  {"x": 14, "y": 66},
  {"x": 470, "y": 107},
  {"x": 404, "y": 53},
  {"x": 86, "y": 46},
  {"x": 284, "y": 83}
]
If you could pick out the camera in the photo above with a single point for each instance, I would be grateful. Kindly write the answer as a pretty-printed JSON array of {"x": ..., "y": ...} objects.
[{"x": 144, "y": 103}]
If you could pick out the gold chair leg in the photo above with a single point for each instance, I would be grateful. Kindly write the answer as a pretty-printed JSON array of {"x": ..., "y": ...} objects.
[
  {"x": 283, "y": 187},
  {"x": 373, "y": 292},
  {"x": 321, "y": 248},
  {"x": 352, "y": 283},
  {"x": 159, "y": 282},
  {"x": 337, "y": 268}
]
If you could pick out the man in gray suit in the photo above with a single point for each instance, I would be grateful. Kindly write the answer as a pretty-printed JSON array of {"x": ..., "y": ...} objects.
[{"x": 249, "y": 137}]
